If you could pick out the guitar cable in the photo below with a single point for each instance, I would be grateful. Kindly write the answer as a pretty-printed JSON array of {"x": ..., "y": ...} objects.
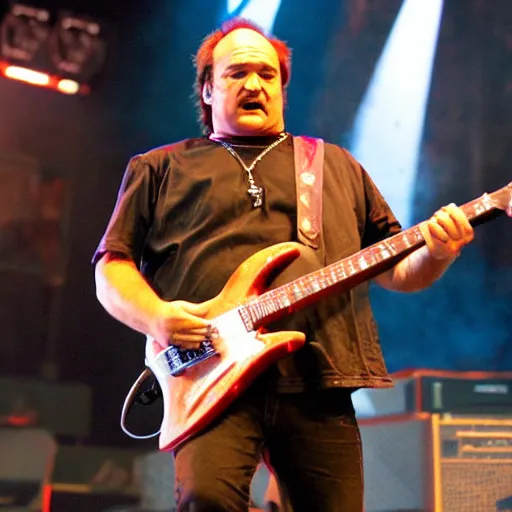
[{"x": 145, "y": 398}]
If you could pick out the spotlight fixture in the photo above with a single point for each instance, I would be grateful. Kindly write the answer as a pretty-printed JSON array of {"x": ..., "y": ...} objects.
[
  {"x": 64, "y": 55},
  {"x": 23, "y": 32},
  {"x": 77, "y": 48}
]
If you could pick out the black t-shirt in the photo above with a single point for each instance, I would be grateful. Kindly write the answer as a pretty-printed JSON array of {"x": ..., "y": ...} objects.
[{"x": 184, "y": 216}]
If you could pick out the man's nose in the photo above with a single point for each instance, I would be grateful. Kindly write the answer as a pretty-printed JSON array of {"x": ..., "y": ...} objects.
[{"x": 253, "y": 82}]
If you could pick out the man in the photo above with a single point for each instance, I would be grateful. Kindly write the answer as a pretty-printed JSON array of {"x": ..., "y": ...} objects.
[{"x": 188, "y": 214}]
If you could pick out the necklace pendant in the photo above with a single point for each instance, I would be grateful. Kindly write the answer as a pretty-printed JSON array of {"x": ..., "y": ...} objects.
[{"x": 257, "y": 195}]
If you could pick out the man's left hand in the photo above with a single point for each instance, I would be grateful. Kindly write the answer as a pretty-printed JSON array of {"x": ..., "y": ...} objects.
[{"x": 446, "y": 232}]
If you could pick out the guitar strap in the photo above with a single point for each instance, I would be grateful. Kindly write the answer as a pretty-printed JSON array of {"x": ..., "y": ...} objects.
[{"x": 309, "y": 166}]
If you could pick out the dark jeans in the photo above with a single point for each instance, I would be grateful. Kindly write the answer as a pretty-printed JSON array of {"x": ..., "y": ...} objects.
[{"x": 313, "y": 443}]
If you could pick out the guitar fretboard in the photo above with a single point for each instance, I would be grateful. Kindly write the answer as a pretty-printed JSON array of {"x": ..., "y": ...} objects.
[{"x": 359, "y": 267}]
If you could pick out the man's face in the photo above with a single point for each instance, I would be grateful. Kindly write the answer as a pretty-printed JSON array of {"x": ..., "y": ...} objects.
[{"x": 246, "y": 93}]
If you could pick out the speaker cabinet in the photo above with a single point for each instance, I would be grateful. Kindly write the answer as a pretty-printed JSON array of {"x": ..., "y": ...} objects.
[
  {"x": 84, "y": 498},
  {"x": 437, "y": 463},
  {"x": 92, "y": 479},
  {"x": 26, "y": 459}
]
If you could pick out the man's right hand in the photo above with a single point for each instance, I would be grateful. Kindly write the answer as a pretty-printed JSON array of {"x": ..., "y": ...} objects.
[
  {"x": 126, "y": 295},
  {"x": 181, "y": 324}
]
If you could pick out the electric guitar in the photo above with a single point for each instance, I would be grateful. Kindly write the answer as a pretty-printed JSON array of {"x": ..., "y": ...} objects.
[{"x": 197, "y": 385}]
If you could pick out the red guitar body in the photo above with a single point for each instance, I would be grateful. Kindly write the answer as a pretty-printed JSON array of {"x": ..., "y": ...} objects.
[{"x": 201, "y": 392}]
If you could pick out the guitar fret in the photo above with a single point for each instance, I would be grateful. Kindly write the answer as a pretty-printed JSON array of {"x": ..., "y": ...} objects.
[
  {"x": 324, "y": 280},
  {"x": 252, "y": 314},
  {"x": 384, "y": 251},
  {"x": 284, "y": 301},
  {"x": 289, "y": 295},
  {"x": 405, "y": 241},
  {"x": 312, "y": 285},
  {"x": 480, "y": 206},
  {"x": 248, "y": 317},
  {"x": 271, "y": 302},
  {"x": 392, "y": 246},
  {"x": 257, "y": 312},
  {"x": 377, "y": 254},
  {"x": 301, "y": 284},
  {"x": 363, "y": 263}
]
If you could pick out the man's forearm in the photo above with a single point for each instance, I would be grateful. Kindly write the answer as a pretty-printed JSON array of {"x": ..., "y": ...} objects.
[
  {"x": 124, "y": 293},
  {"x": 416, "y": 272}
]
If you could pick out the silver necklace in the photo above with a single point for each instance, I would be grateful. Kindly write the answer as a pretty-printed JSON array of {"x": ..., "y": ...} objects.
[{"x": 253, "y": 190}]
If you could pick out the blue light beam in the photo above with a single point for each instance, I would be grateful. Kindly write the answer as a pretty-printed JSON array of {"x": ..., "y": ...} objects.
[
  {"x": 389, "y": 124},
  {"x": 262, "y": 12}
]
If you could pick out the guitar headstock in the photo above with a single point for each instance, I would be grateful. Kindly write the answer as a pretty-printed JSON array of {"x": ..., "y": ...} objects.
[{"x": 502, "y": 199}]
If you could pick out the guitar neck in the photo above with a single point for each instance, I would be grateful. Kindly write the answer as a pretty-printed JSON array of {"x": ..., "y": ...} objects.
[{"x": 363, "y": 265}]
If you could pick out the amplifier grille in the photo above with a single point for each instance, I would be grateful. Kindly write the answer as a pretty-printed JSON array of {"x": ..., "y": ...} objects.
[
  {"x": 475, "y": 463},
  {"x": 475, "y": 486}
]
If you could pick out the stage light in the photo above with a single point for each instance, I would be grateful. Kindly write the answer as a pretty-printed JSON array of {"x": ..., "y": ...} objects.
[
  {"x": 388, "y": 127},
  {"x": 262, "y": 12},
  {"x": 77, "y": 47},
  {"x": 67, "y": 86},
  {"x": 23, "y": 32},
  {"x": 64, "y": 55},
  {"x": 27, "y": 75},
  {"x": 41, "y": 79}
]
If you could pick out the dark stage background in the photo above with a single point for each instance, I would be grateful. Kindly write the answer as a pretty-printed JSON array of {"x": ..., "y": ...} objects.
[{"x": 79, "y": 146}]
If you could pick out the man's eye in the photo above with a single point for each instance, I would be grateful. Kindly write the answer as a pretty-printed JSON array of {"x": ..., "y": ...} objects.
[
  {"x": 267, "y": 76},
  {"x": 238, "y": 74}
]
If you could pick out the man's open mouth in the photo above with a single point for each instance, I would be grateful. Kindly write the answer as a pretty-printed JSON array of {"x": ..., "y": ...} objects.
[{"x": 253, "y": 105}]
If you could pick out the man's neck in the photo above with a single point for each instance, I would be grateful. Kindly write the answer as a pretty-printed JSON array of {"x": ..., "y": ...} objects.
[{"x": 247, "y": 138}]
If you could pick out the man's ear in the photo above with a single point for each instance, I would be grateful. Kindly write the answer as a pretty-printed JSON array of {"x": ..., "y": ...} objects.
[{"x": 207, "y": 93}]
